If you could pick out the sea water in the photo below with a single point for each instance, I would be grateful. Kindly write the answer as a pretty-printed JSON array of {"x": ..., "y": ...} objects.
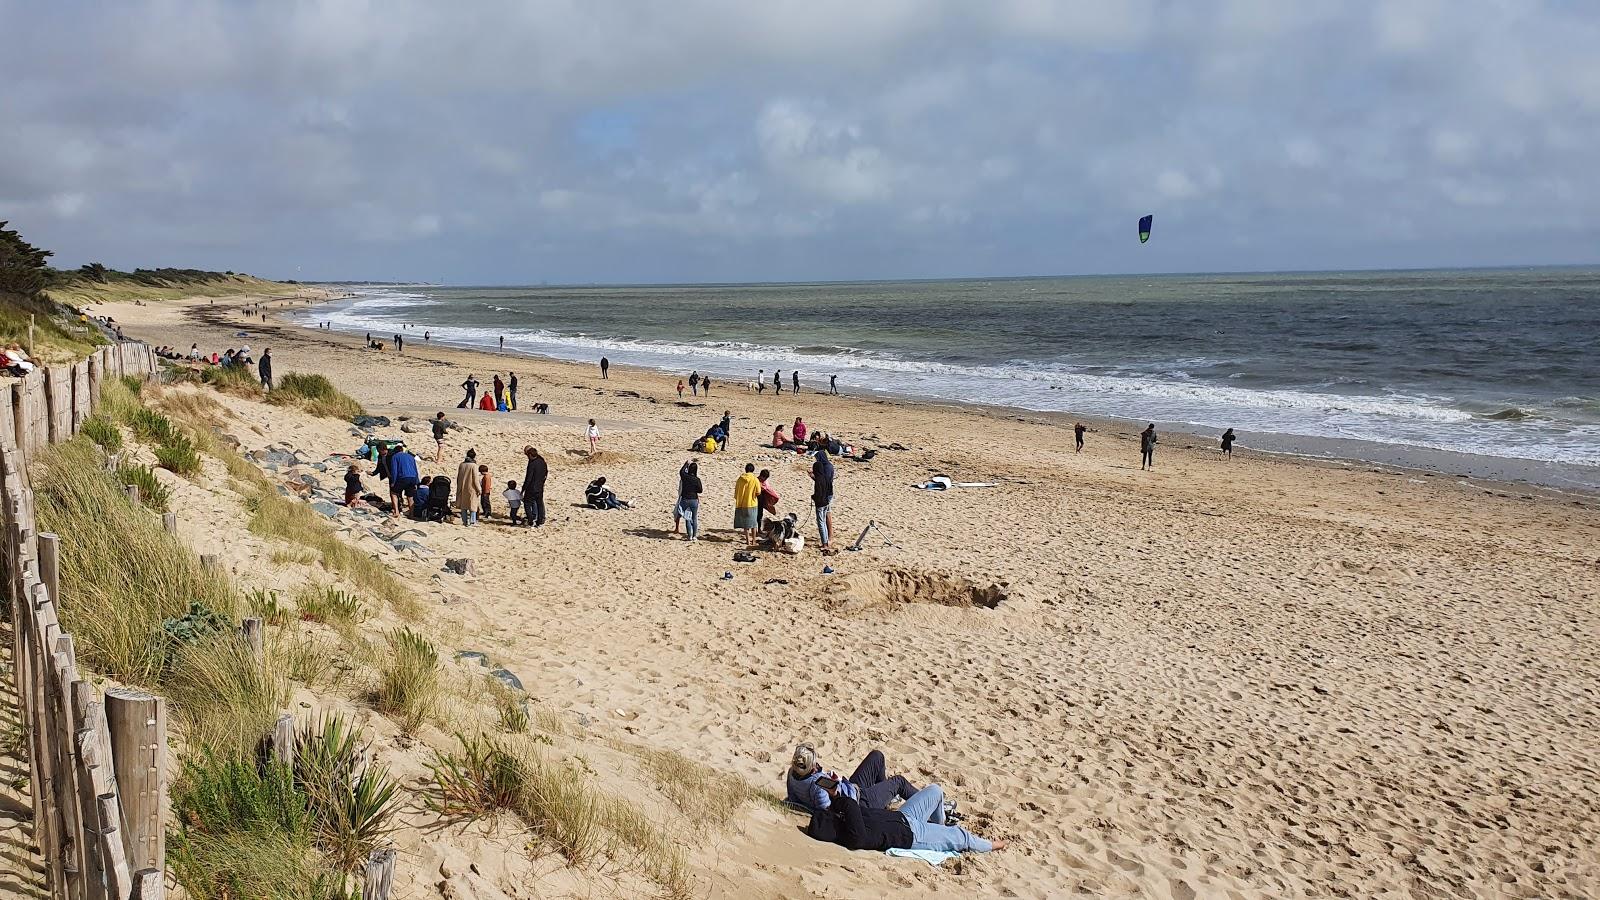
[{"x": 1501, "y": 364}]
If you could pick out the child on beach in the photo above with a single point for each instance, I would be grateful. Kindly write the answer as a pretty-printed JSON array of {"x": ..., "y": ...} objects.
[
  {"x": 485, "y": 487},
  {"x": 680, "y": 388},
  {"x": 352, "y": 486},
  {"x": 439, "y": 428},
  {"x": 594, "y": 437},
  {"x": 513, "y": 500}
]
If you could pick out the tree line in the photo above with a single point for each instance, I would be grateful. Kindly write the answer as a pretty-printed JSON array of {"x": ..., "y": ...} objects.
[{"x": 25, "y": 270}]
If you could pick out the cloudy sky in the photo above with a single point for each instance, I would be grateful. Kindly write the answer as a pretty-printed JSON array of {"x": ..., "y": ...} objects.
[{"x": 725, "y": 140}]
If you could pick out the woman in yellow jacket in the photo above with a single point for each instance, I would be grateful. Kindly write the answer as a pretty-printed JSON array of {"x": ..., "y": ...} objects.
[{"x": 746, "y": 503}]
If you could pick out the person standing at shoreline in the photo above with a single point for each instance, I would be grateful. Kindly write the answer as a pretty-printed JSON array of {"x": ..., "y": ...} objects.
[
  {"x": 502, "y": 343},
  {"x": 761, "y": 381},
  {"x": 795, "y": 378},
  {"x": 705, "y": 385},
  {"x": 777, "y": 381},
  {"x": 471, "y": 387},
  {"x": 605, "y": 366},
  {"x": 1147, "y": 447},
  {"x": 833, "y": 385},
  {"x": 1227, "y": 441},
  {"x": 399, "y": 343},
  {"x": 1077, "y": 436},
  {"x": 822, "y": 499},
  {"x": 533, "y": 487},
  {"x": 511, "y": 386}
]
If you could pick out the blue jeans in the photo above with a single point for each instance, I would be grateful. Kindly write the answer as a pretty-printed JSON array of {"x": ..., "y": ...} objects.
[
  {"x": 689, "y": 511},
  {"x": 822, "y": 525},
  {"x": 925, "y": 812},
  {"x": 469, "y": 517}
]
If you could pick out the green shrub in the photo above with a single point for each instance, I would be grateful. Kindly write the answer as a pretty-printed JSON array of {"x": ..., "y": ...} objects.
[
  {"x": 152, "y": 493},
  {"x": 408, "y": 683},
  {"x": 194, "y": 626},
  {"x": 133, "y": 383},
  {"x": 152, "y": 427},
  {"x": 104, "y": 432},
  {"x": 478, "y": 780},
  {"x": 179, "y": 457},
  {"x": 264, "y": 605},
  {"x": 237, "y": 380}
]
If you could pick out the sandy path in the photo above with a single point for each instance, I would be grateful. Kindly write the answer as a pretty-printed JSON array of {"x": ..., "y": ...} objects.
[{"x": 1255, "y": 678}]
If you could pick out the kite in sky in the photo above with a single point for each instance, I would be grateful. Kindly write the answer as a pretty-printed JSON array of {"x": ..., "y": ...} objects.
[{"x": 1144, "y": 228}]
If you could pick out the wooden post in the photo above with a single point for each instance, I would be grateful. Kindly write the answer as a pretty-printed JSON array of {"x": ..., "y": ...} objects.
[
  {"x": 138, "y": 727},
  {"x": 379, "y": 875},
  {"x": 74, "y": 861},
  {"x": 94, "y": 748},
  {"x": 133, "y": 494},
  {"x": 283, "y": 740},
  {"x": 210, "y": 562},
  {"x": 85, "y": 707},
  {"x": 148, "y": 884},
  {"x": 19, "y": 414},
  {"x": 169, "y": 521},
  {"x": 250, "y": 628},
  {"x": 48, "y": 826},
  {"x": 50, "y": 564}
]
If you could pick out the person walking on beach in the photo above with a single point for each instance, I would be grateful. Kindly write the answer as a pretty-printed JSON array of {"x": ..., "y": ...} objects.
[
  {"x": 761, "y": 381},
  {"x": 694, "y": 383},
  {"x": 1077, "y": 437},
  {"x": 605, "y": 368},
  {"x": 688, "y": 509},
  {"x": 471, "y": 387},
  {"x": 727, "y": 428},
  {"x": 439, "y": 428},
  {"x": 533, "y": 487},
  {"x": 467, "y": 487},
  {"x": 502, "y": 343},
  {"x": 511, "y": 386},
  {"x": 777, "y": 381},
  {"x": 594, "y": 437},
  {"x": 795, "y": 377},
  {"x": 1227, "y": 443},
  {"x": 705, "y": 385},
  {"x": 513, "y": 501},
  {"x": 833, "y": 385},
  {"x": 680, "y": 388},
  {"x": 746, "y": 504},
  {"x": 265, "y": 368},
  {"x": 822, "y": 498},
  {"x": 399, "y": 343},
  {"x": 1147, "y": 447}
]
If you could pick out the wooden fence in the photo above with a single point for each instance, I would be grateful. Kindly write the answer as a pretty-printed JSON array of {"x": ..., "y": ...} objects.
[{"x": 98, "y": 763}]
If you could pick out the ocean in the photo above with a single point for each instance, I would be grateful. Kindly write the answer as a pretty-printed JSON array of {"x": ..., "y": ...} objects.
[{"x": 1496, "y": 365}]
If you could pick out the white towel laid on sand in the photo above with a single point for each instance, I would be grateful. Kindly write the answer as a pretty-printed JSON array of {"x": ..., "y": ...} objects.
[
  {"x": 931, "y": 857},
  {"x": 944, "y": 483}
]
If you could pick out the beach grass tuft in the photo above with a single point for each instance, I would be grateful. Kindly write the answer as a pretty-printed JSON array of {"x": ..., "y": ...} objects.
[
  {"x": 408, "y": 681},
  {"x": 152, "y": 493},
  {"x": 276, "y": 516},
  {"x": 315, "y": 394},
  {"x": 103, "y": 432}
]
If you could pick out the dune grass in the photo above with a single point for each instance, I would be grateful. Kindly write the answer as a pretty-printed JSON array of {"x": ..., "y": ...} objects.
[
  {"x": 226, "y": 698},
  {"x": 558, "y": 801},
  {"x": 408, "y": 681},
  {"x": 352, "y": 802},
  {"x": 104, "y": 432},
  {"x": 152, "y": 493},
  {"x": 276, "y": 516},
  {"x": 240, "y": 381},
  {"x": 315, "y": 394}
]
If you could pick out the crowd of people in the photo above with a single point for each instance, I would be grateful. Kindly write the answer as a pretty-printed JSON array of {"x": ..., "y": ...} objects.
[{"x": 430, "y": 498}]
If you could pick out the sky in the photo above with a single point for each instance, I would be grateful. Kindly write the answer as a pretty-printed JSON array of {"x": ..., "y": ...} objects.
[{"x": 772, "y": 140}]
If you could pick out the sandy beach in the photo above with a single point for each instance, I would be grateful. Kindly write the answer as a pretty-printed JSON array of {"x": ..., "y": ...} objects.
[{"x": 1246, "y": 677}]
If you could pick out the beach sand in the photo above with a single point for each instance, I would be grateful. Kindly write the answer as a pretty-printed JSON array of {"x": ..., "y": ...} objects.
[{"x": 1253, "y": 677}]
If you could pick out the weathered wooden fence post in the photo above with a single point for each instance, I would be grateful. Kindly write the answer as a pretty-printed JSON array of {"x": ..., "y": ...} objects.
[
  {"x": 169, "y": 521},
  {"x": 138, "y": 725},
  {"x": 379, "y": 875},
  {"x": 283, "y": 740}
]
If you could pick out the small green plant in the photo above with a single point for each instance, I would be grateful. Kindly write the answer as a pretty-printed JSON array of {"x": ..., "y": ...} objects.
[
  {"x": 309, "y": 661},
  {"x": 133, "y": 383},
  {"x": 264, "y": 605},
  {"x": 179, "y": 457},
  {"x": 194, "y": 626},
  {"x": 330, "y": 606},
  {"x": 513, "y": 712},
  {"x": 475, "y": 781},
  {"x": 352, "y": 802},
  {"x": 408, "y": 683},
  {"x": 104, "y": 432},
  {"x": 151, "y": 426},
  {"x": 152, "y": 493}
]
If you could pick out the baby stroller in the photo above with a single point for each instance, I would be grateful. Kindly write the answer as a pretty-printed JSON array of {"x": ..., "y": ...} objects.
[{"x": 438, "y": 500}]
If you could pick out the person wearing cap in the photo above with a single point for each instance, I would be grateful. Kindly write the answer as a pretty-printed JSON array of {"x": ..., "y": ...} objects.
[{"x": 869, "y": 784}]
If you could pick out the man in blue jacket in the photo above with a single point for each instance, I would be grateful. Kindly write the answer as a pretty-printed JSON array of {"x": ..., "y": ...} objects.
[{"x": 402, "y": 479}]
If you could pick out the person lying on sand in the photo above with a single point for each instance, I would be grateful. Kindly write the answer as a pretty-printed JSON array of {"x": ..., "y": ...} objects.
[
  {"x": 598, "y": 496},
  {"x": 869, "y": 784},
  {"x": 919, "y": 824}
]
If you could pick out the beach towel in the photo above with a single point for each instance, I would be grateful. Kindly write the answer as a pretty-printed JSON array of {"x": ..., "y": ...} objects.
[
  {"x": 931, "y": 857},
  {"x": 943, "y": 483}
]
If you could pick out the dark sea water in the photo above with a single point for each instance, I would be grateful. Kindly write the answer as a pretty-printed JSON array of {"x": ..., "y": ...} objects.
[{"x": 1498, "y": 363}]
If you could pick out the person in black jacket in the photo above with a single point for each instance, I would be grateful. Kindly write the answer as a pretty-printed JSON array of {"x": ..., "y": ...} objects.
[
  {"x": 265, "y": 368},
  {"x": 917, "y": 825},
  {"x": 687, "y": 511},
  {"x": 533, "y": 488}
]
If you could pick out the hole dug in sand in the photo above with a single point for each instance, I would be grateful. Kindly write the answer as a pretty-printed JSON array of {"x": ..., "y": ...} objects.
[{"x": 896, "y": 585}]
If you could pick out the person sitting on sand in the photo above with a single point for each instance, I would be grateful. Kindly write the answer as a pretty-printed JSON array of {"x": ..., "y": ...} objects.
[
  {"x": 16, "y": 361},
  {"x": 799, "y": 430},
  {"x": 598, "y": 496},
  {"x": 870, "y": 784},
  {"x": 746, "y": 502},
  {"x": 421, "y": 500},
  {"x": 919, "y": 824},
  {"x": 779, "y": 441},
  {"x": 352, "y": 486}
]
